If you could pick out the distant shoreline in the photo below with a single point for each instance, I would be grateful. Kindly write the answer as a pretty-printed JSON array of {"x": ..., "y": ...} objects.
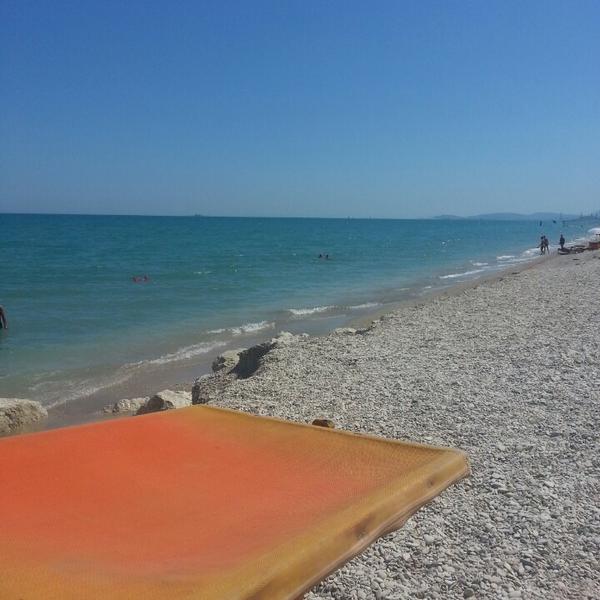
[{"x": 487, "y": 216}]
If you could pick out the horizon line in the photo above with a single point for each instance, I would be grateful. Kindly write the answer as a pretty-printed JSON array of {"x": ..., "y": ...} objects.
[{"x": 569, "y": 216}]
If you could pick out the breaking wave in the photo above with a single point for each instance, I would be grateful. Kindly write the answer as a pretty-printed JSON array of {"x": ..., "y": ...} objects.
[
  {"x": 246, "y": 328},
  {"x": 465, "y": 274},
  {"x": 302, "y": 312}
]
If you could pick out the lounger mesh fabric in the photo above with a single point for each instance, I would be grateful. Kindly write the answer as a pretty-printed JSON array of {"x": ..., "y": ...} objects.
[{"x": 201, "y": 503}]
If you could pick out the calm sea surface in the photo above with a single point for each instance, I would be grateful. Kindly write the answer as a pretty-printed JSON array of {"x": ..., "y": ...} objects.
[{"x": 79, "y": 323}]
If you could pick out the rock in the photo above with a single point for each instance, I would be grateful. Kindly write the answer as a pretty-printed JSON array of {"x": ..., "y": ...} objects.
[
  {"x": 244, "y": 362},
  {"x": 324, "y": 423},
  {"x": 228, "y": 360},
  {"x": 199, "y": 395},
  {"x": 250, "y": 359},
  {"x": 429, "y": 539},
  {"x": 166, "y": 400},
  {"x": 126, "y": 405},
  {"x": 285, "y": 338},
  {"x": 16, "y": 414},
  {"x": 345, "y": 331},
  {"x": 468, "y": 593}
]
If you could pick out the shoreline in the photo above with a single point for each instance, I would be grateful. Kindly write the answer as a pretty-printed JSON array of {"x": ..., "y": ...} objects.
[
  {"x": 89, "y": 408},
  {"x": 452, "y": 290},
  {"x": 88, "y": 358}
]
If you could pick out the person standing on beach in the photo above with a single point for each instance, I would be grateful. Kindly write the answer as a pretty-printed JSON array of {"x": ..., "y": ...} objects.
[
  {"x": 562, "y": 241},
  {"x": 3, "y": 319},
  {"x": 546, "y": 245},
  {"x": 542, "y": 246}
]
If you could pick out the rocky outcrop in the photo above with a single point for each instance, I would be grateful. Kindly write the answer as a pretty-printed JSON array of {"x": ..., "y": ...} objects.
[
  {"x": 127, "y": 405},
  {"x": 249, "y": 360},
  {"x": 165, "y": 400},
  {"x": 199, "y": 390},
  {"x": 237, "y": 364},
  {"x": 17, "y": 414},
  {"x": 345, "y": 331},
  {"x": 226, "y": 361}
]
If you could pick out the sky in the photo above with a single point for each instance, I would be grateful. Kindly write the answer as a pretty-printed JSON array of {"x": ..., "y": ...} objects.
[{"x": 321, "y": 109}]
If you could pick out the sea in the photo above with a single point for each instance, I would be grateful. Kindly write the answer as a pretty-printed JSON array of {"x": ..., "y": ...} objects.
[{"x": 107, "y": 307}]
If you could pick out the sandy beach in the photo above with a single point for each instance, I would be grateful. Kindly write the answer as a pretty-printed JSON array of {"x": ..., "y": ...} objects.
[{"x": 507, "y": 370}]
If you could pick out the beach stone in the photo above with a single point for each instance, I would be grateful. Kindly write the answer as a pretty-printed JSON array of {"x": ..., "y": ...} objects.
[
  {"x": 324, "y": 423},
  {"x": 345, "y": 331},
  {"x": 17, "y": 413},
  {"x": 165, "y": 400},
  {"x": 227, "y": 361},
  {"x": 126, "y": 405},
  {"x": 200, "y": 394}
]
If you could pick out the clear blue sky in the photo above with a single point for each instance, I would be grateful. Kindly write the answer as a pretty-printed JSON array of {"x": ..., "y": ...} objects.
[{"x": 383, "y": 109}]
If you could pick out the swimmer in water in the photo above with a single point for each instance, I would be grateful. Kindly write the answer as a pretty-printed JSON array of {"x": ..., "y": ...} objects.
[{"x": 3, "y": 319}]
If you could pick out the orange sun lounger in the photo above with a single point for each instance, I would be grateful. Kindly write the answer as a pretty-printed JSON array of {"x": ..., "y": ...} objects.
[{"x": 201, "y": 503}]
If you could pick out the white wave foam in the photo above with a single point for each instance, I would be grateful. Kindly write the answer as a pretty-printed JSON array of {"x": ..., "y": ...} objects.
[
  {"x": 505, "y": 257},
  {"x": 246, "y": 328},
  {"x": 479, "y": 264},
  {"x": 252, "y": 327},
  {"x": 73, "y": 390},
  {"x": 202, "y": 272},
  {"x": 77, "y": 389},
  {"x": 302, "y": 312},
  {"x": 182, "y": 354},
  {"x": 365, "y": 305},
  {"x": 465, "y": 274},
  {"x": 531, "y": 252}
]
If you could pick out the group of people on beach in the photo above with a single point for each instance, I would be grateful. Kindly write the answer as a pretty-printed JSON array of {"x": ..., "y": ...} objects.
[{"x": 545, "y": 244}]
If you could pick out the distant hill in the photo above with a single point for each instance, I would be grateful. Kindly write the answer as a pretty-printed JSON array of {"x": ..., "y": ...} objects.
[
  {"x": 539, "y": 216},
  {"x": 448, "y": 217}
]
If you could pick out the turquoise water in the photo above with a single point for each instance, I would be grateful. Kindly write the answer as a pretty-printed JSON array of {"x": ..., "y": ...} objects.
[{"x": 79, "y": 323}]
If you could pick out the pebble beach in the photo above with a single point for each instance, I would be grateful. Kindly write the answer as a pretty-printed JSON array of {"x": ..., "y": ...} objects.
[{"x": 507, "y": 370}]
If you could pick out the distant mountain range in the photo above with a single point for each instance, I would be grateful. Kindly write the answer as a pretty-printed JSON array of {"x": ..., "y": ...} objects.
[{"x": 539, "y": 216}]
